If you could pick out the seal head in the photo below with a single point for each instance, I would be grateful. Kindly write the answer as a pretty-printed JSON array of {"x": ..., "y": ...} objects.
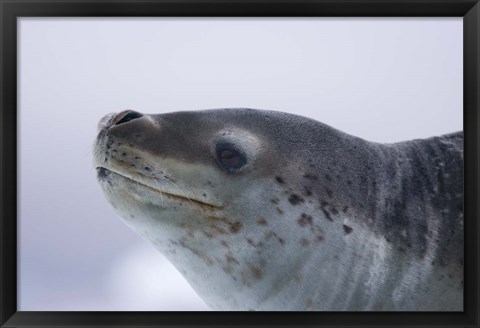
[{"x": 263, "y": 210}]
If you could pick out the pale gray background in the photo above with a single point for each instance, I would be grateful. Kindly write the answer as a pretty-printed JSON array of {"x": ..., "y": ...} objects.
[{"x": 384, "y": 80}]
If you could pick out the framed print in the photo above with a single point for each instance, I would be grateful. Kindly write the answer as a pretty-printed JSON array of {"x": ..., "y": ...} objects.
[{"x": 225, "y": 163}]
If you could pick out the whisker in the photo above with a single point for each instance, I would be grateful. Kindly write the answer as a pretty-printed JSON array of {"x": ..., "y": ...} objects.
[
  {"x": 158, "y": 185},
  {"x": 181, "y": 191},
  {"x": 183, "y": 194}
]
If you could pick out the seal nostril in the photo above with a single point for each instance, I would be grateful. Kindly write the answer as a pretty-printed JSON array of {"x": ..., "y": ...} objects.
[{"x": 129, "y": 117}]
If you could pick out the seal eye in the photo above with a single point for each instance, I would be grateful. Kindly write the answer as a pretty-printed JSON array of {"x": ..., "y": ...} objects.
[{"x": 230, "y": 158}]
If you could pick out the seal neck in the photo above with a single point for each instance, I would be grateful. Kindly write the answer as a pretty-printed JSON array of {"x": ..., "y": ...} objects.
[{"x": 422, "y": 191}]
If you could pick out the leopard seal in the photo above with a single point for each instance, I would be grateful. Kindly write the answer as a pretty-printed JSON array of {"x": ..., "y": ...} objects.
[{"x": 264, "y": 210}]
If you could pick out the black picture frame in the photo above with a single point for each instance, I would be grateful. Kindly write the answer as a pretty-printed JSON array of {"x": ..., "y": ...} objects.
[{"x": 11, "y": 10}]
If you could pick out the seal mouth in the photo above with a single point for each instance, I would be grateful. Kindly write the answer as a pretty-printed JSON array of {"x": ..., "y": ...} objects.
[{"x": 103, "y": 173}]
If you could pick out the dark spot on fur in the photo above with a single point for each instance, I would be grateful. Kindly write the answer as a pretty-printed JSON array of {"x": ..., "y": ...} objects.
[
  {"x": 231, "y": 259},
  {"x": 305, "y": 220},
  {"x": 133, "y": 165},
  {"x": 274, "y": 200},
  {"x": 310, "y": 176},
  {"x": 325, "y": 211},
  {"x": 137, "y": 136},
  {"x": 227, "y": 269},
  {"x": 279, "y": 180},
  {"x": 236, "y": 227},
  {"x": 279, "y": 210},
  {"x": 132, "y": 216},
  {"x": 328, "y": 177},
  {"x": 304, "y": 242},
  {"x": 319, "y": 237},
  {"x": 262, "y": 221},
  {"x": 256, "y": 272},
  {"x": 274, "y": 234},
  {"x": 347, "y": 229},
  {"x": 294, "y": 199},
  {"x": 147, "y": 168},
  {"x": 345, "y": 209},
  {"x": 114, "y": 150},
  {"x": 136, "y": 157},
  {"x": 308, "y": 191},
  {"x": 349, "y": 182},
  {"x": 124, "y": 154},
  {"x": 334, "y": 211},
  {"x": 224, "y": 243}
]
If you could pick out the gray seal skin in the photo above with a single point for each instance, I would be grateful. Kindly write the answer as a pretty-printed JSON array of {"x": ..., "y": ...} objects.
[{"x": 264, "y": 210}]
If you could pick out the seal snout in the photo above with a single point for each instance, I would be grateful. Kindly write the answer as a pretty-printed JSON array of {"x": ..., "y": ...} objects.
[{"x": 114, "y": 119}]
